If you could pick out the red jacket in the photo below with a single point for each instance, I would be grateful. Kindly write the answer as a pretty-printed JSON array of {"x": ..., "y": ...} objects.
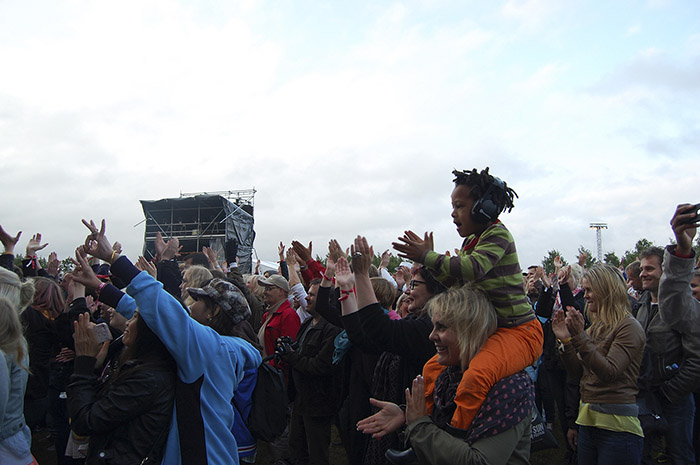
[
  {"x": 313, "y": 270},
  {"x": 284, "y": 322}
]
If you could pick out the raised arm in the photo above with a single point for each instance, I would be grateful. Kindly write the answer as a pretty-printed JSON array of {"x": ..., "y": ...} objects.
[
  {"x": 406, "y": 337},
  {"x": 310, "y": 268},
  {"x": 383, "y": 268},
  {"x": 677, "y": 306},
  {"x": 106, "y": 292},
  {"x": 493, "y": 246},
  {"x": 190, "y": 343},
  {"x": 284, "y": 264},
  {"x": 30, "y": 263},
  {"x": 8, "y": 255},
  {"x": 327, "y": 304},
  {"x": 362, "y": 255}
]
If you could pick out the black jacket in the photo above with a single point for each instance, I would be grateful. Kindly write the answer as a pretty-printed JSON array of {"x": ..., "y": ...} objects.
[
  {"x": 127, "y": 418},
  {"x": 544, "y": 309},
  {"x": 666, "y": 346},
  {"x": 407, "y": 337},
  {"x": 312, "y": 370},
  {"x": 46, "y": 338}
]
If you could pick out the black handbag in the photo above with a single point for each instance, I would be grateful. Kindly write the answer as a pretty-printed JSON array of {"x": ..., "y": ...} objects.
[
  {"x": 541, "y": 437},
  {"x": 402, "y": 457},
  {"x": 651, "y": 415}
]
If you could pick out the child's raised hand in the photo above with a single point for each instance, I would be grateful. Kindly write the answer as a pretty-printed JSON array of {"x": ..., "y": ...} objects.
[{"x": 412, "y": 246}]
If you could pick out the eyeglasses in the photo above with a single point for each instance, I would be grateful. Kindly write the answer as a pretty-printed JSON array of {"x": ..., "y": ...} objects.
[{"x": 414, "y": 282}]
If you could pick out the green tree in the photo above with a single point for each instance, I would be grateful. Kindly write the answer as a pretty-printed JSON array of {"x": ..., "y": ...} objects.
[
  {"x": 67, "y": 265},
  {"x": 394, "y": 262},
  {"x": 631, "y": 255},
  {"x": 42, "y": 261},
  {"x": 548, "y": 260},
  {"x": 611, "y": 258},
  {"x": 590, "y": 259}
]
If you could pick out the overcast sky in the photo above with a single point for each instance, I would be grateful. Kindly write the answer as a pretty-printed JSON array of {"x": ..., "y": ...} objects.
[{"x": 348, "y": 117}]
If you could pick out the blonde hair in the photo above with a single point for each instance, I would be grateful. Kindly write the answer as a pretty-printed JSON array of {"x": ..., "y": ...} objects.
[
  {"x": 470, "y": 314},
  {"x": 400, "y": 300},
  {"x": 384, "y": 292},
  {"x": 255, "y": 287},
  {"x": 195, "y": 276},
  {"x": 612, "y": 303},
  {"x": 12, "y": 340},
  {"x": 576, "y": 275},
  {"x": 20, "y": 293}
]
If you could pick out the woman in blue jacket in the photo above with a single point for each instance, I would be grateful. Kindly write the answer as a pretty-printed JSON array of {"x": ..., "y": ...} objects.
[{"x": 211, "y": 368}]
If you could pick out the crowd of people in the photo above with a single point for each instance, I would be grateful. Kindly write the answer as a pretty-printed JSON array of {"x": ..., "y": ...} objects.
[{"x": 456, "y": 358}]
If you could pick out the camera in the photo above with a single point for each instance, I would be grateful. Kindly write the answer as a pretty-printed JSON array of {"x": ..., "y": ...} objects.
[
  {"x": 285, "y": 345},
  {"x": 692, "y": 209}
]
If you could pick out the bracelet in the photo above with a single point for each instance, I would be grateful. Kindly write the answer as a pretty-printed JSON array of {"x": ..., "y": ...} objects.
[
  {"x": 99, "y": 288},
  {"x": 565, "y": 340},
  {"x": 343, "y": 297},
  {"x": 325, "y": 276},
  {"x": 111, "y": 259},
  {"x": 351, "y": 291},
  {"x": 675, "y": 252}
]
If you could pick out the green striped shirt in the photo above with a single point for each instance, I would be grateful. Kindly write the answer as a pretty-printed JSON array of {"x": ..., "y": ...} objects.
[{"x": 492, "y": 263}]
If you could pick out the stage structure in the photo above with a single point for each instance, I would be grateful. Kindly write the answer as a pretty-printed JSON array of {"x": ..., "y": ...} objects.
[{"x": 203, "y": 219}]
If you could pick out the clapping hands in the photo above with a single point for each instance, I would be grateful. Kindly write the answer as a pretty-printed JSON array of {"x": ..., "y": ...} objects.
[
  {"x": 412, "y": 246},
  {"x": 569, "y": 324}
]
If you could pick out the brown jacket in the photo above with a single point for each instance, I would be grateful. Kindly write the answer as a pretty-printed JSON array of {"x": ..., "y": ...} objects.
[{"x": 609, "y": 366}]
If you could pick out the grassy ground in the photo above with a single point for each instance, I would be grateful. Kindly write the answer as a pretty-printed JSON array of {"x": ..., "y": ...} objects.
[
  {"x": 42, "y": 449},
  {"x": 41, "y": 444},
  {"x": 550, "y": 456}
]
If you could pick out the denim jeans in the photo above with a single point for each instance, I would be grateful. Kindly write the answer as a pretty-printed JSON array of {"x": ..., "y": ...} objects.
[
  {"x": 597, "y": 446},
  {"x": 679, "y": 437}
]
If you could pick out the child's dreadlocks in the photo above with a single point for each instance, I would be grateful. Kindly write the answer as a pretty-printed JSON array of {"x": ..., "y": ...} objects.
[{"x": 480, "y": 182}]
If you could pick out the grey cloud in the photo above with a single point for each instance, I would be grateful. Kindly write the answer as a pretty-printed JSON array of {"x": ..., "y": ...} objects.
[
  {"x": 653, "y": 70},
  {"x": 685, "y": 144}
]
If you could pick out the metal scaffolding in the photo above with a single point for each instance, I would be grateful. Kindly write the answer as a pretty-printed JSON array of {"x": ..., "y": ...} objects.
[
  {"x": 599, "y": 240},
  {"x": 203, "y": 219}
]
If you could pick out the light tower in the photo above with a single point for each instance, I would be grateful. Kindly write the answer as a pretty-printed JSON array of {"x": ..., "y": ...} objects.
[{"x": 599, "y": 239}]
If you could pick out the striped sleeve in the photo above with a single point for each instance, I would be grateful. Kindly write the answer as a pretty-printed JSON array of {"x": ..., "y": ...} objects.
[
  {"x": 492, "y": 264},
  {"x": 475, "y": 265}
]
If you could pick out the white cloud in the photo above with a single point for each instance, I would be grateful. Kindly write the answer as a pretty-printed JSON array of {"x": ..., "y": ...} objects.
[
  {"x": 542, "y": 78},
  {"x": 633, "y": 30},
  {"x": 530, "y": 13},
  {"x": 341, "y": 134}
]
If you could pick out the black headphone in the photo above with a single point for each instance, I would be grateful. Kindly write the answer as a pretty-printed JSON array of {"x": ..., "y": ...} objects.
[{"x": 487, "y": 208}]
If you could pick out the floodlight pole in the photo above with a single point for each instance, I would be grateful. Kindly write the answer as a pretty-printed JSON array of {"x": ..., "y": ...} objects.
[{"x": 599, "y": 239}]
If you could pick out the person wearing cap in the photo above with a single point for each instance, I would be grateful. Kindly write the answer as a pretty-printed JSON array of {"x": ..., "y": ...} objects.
[
  {"x": 280, "y": 318},
  {"x": 222, "y": 306},
  {"x": 213, "y": 368},
  {"x": 232, "y": 318}
]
